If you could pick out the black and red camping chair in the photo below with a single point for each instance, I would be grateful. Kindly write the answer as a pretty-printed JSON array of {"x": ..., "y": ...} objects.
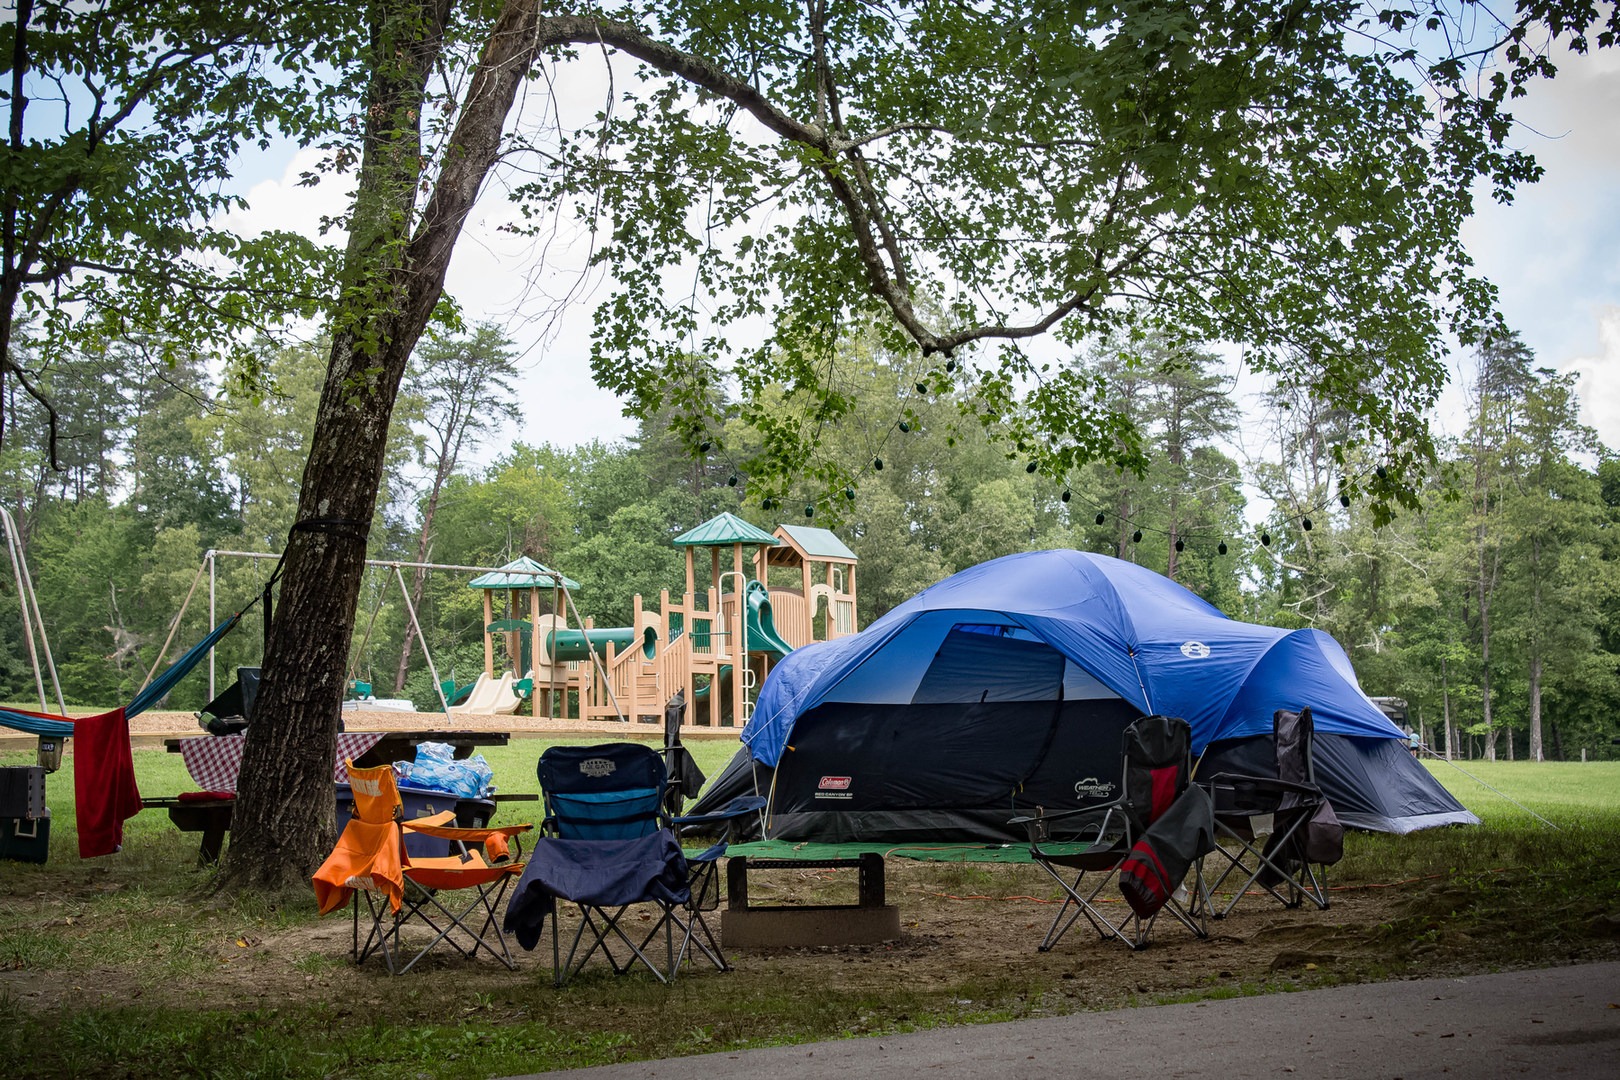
[
  {"x": 1302, "y": 834},
  {"x": 1148, "y": 837}
]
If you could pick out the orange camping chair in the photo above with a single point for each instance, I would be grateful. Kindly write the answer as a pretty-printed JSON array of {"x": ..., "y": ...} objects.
[{"x": 371, "y": 858}]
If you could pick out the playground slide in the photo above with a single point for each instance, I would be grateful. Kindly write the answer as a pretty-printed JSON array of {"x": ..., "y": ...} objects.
[
  {"x": 761, "y": 628},
  {"x": 490, "y": 696},
  {"x": 762, "y": 635}
]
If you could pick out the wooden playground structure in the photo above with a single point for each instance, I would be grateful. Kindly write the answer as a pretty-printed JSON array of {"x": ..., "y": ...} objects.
[{"x": 713, "y": 643}]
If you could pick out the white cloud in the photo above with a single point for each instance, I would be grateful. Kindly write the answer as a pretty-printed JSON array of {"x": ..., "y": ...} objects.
[{"x": 1600, "y": 379}]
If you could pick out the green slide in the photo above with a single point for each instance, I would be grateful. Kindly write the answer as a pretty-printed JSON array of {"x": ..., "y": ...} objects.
[
  {"x": 762, "y": 635},
  {"x": 761, "y": 628}
]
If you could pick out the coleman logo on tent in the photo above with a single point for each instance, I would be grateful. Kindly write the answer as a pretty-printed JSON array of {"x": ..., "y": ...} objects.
[
  {"x": 1093, "y": 788},
  {"x": 1195, "y": 650},
  {"x": 597, "y": 767},
  {"x": 834, "y": 787}
]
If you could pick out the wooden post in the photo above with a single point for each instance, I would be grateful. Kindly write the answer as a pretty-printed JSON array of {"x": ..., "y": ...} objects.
[
  {"x": 739, "y": 663},
  {"x": 489, "y": 635},
  {"x": 534, "y": 652}
]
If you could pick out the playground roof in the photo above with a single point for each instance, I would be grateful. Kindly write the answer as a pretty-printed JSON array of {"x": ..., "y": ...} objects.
[
  {"x": 725, "y": 528},
  {"x": 522, "y": 573},
  {"x": 816, "y": 543}
]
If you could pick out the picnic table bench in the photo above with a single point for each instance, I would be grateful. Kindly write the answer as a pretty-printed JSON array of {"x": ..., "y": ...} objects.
[{"x": 211, "y": 817}]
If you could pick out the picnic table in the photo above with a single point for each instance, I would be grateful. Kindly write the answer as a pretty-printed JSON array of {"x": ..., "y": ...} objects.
[{"x": 215, "y": 760}]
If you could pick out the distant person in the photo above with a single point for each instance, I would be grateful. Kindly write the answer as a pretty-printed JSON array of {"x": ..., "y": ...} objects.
[{"x": 1414, "y": 742}]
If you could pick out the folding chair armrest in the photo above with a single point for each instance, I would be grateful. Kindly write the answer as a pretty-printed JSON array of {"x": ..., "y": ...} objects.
[
  {"x": 708, "y": 854},
  {"x": 1271, "y": 785},
  {"x": 741, "y": 806},
  {"x": 1038, "y": 825},
  {"x": 508, "y": 847},
  {"x": 432, "y": 821}
]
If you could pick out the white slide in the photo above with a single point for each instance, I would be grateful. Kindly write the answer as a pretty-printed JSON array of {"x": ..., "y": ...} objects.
[{"x": 490, "y": 697}]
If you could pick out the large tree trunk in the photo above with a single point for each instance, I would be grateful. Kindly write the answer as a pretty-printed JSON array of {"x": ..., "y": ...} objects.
[{"x": 283, "y": 823}]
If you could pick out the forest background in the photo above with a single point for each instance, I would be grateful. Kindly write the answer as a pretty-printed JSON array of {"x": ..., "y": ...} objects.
[{"x": 1494, "y": 611}]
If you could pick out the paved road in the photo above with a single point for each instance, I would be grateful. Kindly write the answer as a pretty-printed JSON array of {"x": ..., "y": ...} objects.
[{"x": 1562, "y": 1022}]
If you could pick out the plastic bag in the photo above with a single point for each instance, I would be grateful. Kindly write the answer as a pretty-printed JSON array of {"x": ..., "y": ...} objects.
[{"x": 437, "y": 769}]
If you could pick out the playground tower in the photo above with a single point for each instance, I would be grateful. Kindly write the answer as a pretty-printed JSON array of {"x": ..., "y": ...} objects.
[{"x": 714, "y": 641}]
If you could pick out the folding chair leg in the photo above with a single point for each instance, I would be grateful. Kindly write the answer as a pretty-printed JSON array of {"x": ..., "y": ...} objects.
[
  {"x": 485, "y": 900},
  {"x": 563, "y": 970},
  {"x": 699, "y": 936},
  {"x": 380, "y": 936},
  {"x": 1294, "y": 892},
  {"x": 1084, "y": 905},
  {"x": 696, "y": 938},
  {"x": 1131, "y": 930}
]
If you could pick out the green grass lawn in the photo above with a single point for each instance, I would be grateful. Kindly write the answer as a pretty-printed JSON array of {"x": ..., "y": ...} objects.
[{"x": 1492, "y": 788}]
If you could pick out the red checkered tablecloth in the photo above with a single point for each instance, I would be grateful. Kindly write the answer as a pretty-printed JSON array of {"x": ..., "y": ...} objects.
[{"x": 214, "y": 760}]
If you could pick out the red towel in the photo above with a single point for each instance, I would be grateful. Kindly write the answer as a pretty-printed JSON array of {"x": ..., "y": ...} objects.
[{"x": 104, "y": 789}]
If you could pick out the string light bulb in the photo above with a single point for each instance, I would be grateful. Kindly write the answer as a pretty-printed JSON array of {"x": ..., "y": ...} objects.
[
  {"x": 1220, "y": 548},
  {"x": 1265, "y": 539}
]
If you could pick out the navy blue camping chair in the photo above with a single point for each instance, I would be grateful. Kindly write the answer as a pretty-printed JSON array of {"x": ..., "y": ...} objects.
[{"x": 611, "y": 844}]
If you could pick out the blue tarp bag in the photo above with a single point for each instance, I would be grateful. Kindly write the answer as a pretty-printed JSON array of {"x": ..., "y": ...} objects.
[{"x": 437, "y": 769}]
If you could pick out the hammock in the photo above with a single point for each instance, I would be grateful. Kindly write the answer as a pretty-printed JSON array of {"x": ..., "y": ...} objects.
[{"x": 47, "y": 724}]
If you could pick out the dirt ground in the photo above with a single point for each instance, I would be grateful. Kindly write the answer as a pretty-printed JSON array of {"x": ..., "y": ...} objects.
[{"x": 962, "y": 927}]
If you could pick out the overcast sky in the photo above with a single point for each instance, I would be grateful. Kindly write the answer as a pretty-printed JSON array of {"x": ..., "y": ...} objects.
[{"x": 1554, "y": 254}]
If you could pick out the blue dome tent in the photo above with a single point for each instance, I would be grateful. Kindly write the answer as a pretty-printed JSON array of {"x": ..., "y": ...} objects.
[{"x": 1006, "y": 687}]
